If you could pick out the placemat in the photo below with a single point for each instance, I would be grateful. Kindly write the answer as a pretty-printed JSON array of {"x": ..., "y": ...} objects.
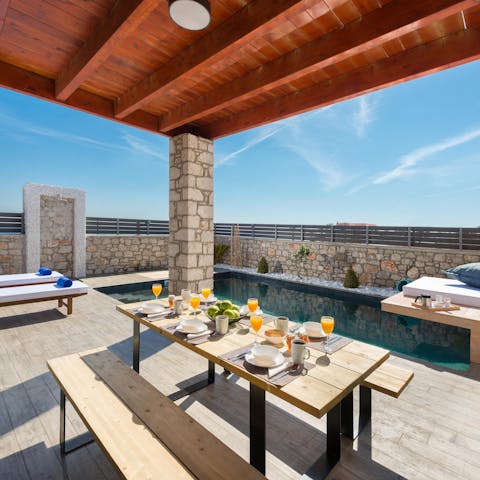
[
  {"x": 214, "y": 337},
  {"x": 263, "y": 372},
  {"x": 266, "y": 320},
  {"x": 336, "y": 343}
]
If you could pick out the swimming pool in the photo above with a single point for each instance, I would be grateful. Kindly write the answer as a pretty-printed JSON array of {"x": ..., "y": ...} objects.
[{"x": 356, "y": 316}]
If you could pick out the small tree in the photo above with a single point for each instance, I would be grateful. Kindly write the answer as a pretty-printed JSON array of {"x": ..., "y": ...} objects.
[
  {"x": 300, "y": 256},
  {"x": 219, "y": 250},
  {"x": 262, "y": 266},
  {"x": 351, "y": 279}
]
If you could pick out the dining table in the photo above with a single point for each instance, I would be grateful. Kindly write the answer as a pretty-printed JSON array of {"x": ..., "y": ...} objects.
[{"x": 320, "y": 391}]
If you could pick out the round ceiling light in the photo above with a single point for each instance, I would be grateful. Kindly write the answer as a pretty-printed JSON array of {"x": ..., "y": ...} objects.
[{"x": 190, "y": 14}]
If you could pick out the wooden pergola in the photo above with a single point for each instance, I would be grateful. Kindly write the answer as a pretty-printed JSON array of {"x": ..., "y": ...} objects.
[{"x": 258, "y": 61}]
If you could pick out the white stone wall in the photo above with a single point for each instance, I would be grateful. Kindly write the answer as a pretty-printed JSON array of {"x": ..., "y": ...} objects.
[
  {"x": 376, "y": 265},
  {"x": 111, "y": 254},
  {"x": 12, "y": 251},
  {"x": 191, "y": 213}
]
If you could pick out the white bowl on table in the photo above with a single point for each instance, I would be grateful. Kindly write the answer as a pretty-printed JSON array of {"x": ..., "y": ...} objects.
[
  {"x": 265, "y": 356},
  {"x": 313, "y": 329},
  {"x": 192, "y": 325},
  {"x": 152, "y": 308}
]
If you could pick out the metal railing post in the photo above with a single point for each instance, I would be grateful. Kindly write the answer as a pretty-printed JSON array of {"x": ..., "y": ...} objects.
[
  {"x": 302, "y": 237},
  {"x": 253, "y": 230},
  {"x": 276, "y": 232},
  {"x": 148, "y": 227},
  {"x": 409, "y": 237},
  {"x": 366, "y": 234},
  {"x": 331, "y": 233},
  {"x": 118, "y": 226},
  {"x": 460, "y": 238}
]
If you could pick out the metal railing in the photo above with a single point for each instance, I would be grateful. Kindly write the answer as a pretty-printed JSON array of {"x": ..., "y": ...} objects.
[
  {"x": 11, "y": 223},
  {"x": 433, "y": 237},
  {"x": 126, "y": 226}
]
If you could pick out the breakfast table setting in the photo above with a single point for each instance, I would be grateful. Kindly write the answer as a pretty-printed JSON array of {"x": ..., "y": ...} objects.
[{"x": 304, "y": 364}]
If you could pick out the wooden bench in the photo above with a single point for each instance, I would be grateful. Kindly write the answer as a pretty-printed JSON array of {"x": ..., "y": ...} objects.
[
  {"x": 387, "y": 379},
  {"x": 142, "y": 432}
]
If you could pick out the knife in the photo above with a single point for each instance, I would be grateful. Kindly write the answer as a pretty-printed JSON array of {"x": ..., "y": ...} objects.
[
  {"x": 283, "y": 373},
  {"x": 239, "y": 356}
]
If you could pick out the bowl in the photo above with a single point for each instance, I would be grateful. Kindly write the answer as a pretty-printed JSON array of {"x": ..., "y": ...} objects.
[
  {"x": 151, "y": 308},
  {"x": 192, "y": 325},
  {"x": 275, "y": 336},
  {"x": 313, "y": 329},
  {"x": 264, "y": 354}
]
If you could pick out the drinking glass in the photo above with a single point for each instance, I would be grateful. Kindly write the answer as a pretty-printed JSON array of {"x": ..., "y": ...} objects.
[
  {"x": 171, "y": 301},
  {"x": 157, "y": 289},
  {"x": 327, "y": 325},
  {"x": 256, "y": 323},
  {"x": 186, "y": 294},
  {"x": 195, "y": 302},
  {"x": 252, "y": 304},
  {"x": 206, "y": 293}
]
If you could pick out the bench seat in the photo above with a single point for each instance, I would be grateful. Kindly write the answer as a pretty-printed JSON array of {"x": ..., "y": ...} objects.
[
  {"x": 142, "y": 432},
  {"x": 389, "y": 379}
]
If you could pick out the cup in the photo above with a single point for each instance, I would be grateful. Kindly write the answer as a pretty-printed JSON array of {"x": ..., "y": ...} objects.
[
  {"x": 281, "y": 323},
  {"x": 186, "y": 294},
  {"x": 178, "y": 306},
  {"x": 221, "y": 324},
  {"x": 447, "y": 302},
  {"x": 171, "y": 301},
  {"x": 300, "y": 352}
]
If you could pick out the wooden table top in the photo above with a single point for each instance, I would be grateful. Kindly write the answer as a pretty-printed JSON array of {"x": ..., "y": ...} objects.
[{"x": 316, "y": 393}]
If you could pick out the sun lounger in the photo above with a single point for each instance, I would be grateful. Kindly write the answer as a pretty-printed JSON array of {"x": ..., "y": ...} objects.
[
  {"x": 27, "y": 279},
  {"x": 42, "y": 293}
]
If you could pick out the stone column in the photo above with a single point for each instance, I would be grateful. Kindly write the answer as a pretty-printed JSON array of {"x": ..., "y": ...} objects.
[{"x": 190, "y": 250}]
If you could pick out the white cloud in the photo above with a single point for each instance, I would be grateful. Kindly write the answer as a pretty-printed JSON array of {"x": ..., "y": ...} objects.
[
  {"x": 138, "y": 145},
  {"x": 364, "y": 116},
  {"x": 409, "y": 161}
]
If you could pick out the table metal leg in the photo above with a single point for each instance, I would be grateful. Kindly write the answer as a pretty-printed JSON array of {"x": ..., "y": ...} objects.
[
  {"x": 365, "y": 408},
  {"x": 257, "y": 428},
  {"x": 136, "y": 346},
  {"x": 322, "y": 467},
  {"x": 211, "y": 372},
  {"x": 74, "y": 443},
  {"x": 347, "y": 416},
  {"x": 195, "y": 386}
]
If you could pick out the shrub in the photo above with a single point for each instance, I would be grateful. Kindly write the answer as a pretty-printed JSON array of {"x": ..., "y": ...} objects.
[
  {"x": 219, "y": 251},
  {"x": 262, "y": 266},
  {"x": 351, "y": 279}
]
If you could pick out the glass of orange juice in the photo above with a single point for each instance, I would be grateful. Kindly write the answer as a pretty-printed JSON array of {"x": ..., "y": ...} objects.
[
  {"x": 206, "y": 293},
  {"x": 328, "y": 323},
  {"x": 256, "y": 323},
  {"x": 195, "y": 302},
  {"x": 157, "y": 289},
  {"x": 252, "y": 304}
]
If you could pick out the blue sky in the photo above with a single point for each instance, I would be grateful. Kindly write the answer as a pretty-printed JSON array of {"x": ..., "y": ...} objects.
[{"x": 407, "y": 155}]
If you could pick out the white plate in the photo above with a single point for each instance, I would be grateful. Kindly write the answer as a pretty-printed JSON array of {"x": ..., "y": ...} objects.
[
  {"x": 192, "y": 325},
  {"x": 245, "y": 311},
  {"x": 315, "y": 331},
  {"x": 210, "y": 299},
  {"x": 151, "y": 308},
  {"x": 276, "y": 362}
]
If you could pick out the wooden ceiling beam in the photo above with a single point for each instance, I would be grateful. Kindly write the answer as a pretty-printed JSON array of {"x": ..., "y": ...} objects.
[
  {"x": 446, "y": 52},
  {"x": 255, "y": 17},
  {"x": 391, "y": 21},
  {"x": 3, "y": 12},
  {"x": 29, "y": 83},
  {"x": 124, "y": 17}
]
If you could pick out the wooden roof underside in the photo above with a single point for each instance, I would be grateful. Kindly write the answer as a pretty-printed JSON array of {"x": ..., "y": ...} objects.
[{"x": 259, "y": 61}]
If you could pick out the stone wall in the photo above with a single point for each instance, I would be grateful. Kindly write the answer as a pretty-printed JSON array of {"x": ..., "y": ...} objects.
[
  {"x": 12, "y": 250},
  {"x": 121, "y": 254},
  {"x": 376, "y": 265},
  {"x": 56, "y": 233}
]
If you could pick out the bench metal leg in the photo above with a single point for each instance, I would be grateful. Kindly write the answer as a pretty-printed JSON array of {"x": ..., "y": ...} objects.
[
  {"x": 257, "y": 428},
  {"x": 322, "y": 467},
  {"x": 74, "y": 443},
  {"x": 348, "y": 428},
  {"x": 136, "y": 346}
]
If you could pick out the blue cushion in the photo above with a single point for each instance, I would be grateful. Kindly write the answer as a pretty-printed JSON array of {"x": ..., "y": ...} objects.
[
  {"x": 64, "y": 282},
  {"x": 468, "y": 273},
  {"x": 44, "y": 271}
]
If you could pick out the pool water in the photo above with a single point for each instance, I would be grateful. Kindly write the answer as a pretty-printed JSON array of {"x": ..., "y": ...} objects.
[{"x": 356, "y": 316}]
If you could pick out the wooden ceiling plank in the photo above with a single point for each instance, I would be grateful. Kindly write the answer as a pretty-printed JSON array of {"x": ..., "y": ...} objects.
[
  {"x": 124, "y": 18},
  {"x": 394, "y": 19},
  {"x": 29, "y": 83},
  {"x": 256, "y": 17},
  {"x": 3, "y": 12},
  {"x": 446, "y": 52}
]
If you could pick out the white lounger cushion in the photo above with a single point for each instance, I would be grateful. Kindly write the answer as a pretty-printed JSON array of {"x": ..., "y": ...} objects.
[
  {"x": 45, "y": 290},
  {"x": 28, "y": 279},
  {"x": 460, "y": 293}
]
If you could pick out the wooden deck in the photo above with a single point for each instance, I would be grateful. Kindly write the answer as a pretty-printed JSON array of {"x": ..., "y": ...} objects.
[{"x": 430, "y": 432}]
